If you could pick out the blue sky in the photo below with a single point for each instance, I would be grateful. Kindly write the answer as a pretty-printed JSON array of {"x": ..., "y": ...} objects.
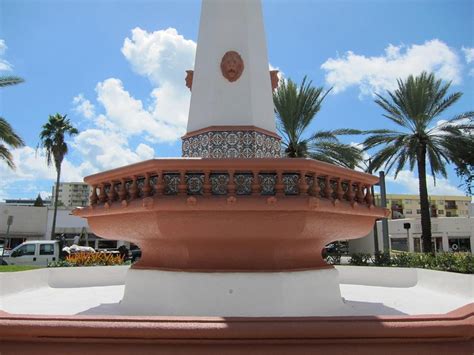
[{"x": 117, "y": 69}]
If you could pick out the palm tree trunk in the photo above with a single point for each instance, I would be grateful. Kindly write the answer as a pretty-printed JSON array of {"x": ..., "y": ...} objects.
[
  {"x": 56, "y": 196},
  {"x": 424, "y": 202}
]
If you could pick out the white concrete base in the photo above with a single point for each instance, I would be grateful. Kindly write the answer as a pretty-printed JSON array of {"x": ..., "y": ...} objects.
[{"x": 272, "y": 294}]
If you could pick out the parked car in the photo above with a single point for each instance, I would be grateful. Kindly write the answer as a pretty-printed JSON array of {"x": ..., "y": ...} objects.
[{"x": 33, "y": 252}]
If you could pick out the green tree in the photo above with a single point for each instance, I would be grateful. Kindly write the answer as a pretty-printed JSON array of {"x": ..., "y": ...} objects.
[
  {"x": 38, "y": 201},
  {"x": 8, "y": 137},
  {"x": 52, "y": 139},
  {"x": 414, "y": 106},
  {"x": 296, "y": 107}
]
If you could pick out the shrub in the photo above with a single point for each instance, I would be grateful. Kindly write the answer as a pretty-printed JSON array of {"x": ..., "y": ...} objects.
[
  {"x": 89, "y": 259},
  {"x": 382, "y": 259},
  {"x": 360, "y": 259}
]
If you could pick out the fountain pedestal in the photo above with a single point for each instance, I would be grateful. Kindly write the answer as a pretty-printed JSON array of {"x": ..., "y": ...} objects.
[{"x": 236, "y": 294}]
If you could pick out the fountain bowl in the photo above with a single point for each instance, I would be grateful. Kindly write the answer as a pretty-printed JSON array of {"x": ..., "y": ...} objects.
[{"x": 194, "y": 214}]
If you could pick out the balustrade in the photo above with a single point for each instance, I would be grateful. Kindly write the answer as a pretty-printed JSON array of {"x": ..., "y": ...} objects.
[{"x": 301, "y": 181}]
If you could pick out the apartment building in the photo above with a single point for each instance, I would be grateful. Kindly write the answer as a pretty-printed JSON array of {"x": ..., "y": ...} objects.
[
  {"x": 408, "y": 206},
  {"x": 73, "y": 194}
]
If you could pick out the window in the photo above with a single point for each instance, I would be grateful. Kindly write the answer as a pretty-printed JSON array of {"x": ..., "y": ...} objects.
[
  {"x": 408, "y": 212},
  {"x": 400, "y": 244},
  {"x": 440, "y": 211},
  {"x": 46, "y": 249},
  {"x": 418, "y": 211},
  {"x": 28, "y": 249},
  {"x": 407, "y": 202}
]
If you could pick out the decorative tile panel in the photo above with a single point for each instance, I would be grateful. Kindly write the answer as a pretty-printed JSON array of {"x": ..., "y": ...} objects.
[
  {"x": 291, "y": 183},
  {"x": 219, "y": 183},
  {"x": 232, "y": 144},
  {"x": 267, "y": 183},
  {"x": 243, "y": 183},
  {"x": 195, "y": 183},
  {"x": 171, "y": 182}
]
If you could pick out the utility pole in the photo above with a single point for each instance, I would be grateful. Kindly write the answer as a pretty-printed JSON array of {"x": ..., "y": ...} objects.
[{"x": 383, "y": 201}]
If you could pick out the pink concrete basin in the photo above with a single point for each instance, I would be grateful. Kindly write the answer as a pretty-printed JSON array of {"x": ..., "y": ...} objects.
[{"x": 231, "y": 214}]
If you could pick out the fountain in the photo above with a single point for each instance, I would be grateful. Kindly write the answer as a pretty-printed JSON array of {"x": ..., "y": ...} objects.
[
  {"x": 231, "y": 206},
  {"x": 231, "y": 237}
]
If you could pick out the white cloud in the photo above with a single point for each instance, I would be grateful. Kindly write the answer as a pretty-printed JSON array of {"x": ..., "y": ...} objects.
[
  {"x": 163, "y": 121},
  {"x": 108, "y": 150},
  {"x": 469, "y": 57},
  {"x": 468, "y": 54},
  {"x": 4, "y": 64},
  {"x": 162, "y": 56},
  {"x": 407, "y": 180},
  {"x": 31, "y": 167},
  {"x": 379, "y": 73},
  {"x": 83, "y": 106}
]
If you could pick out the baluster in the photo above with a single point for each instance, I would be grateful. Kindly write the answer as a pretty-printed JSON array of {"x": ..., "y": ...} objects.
[
  {"x": 112, "y": 193},
  {"x": 207, "y": 187},
  {"x": 328, "y": 188},
  {"x": 182, "y": 187},
  {"x": 160, "y": 187},
  {"x": 93, "y": 197},
  {"x": 350, "y": 192},
  {"x": 133, "y": 192},
  {"x": 102, "y": 195},
  {"x": 316, "y": 189},
  {"x": 146, "y": 185},
  {"x": 231, "y": 187},
  {"x": 122, "y": 190},
  {"x": 303, "y": 185},
  {"x": 360, "y": 193},
  {"x": 369, "y": 199},
  {"x": 339, "y": 190},
  {"x": 255, "y": 183},
  {"x": 279, "y": 185}
]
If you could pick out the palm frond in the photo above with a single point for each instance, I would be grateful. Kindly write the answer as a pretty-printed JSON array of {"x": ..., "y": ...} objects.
[{"x": 10, "y": 80}]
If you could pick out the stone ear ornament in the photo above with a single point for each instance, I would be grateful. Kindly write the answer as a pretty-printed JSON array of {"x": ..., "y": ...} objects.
[{"x": 232, "y": 66}]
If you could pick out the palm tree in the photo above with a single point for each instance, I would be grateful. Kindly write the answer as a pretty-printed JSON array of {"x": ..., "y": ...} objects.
[
  {"x": 52, "y": 140},
  {"x": 8, "y": 137},
  {"x": 296, "y": 107},
  {"x": 414, "y": 106}
]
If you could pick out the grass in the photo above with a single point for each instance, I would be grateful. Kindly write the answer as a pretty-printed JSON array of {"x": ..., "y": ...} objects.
[{"x": 13, "y": 268}]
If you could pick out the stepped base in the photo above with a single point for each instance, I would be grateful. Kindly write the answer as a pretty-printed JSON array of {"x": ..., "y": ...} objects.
[{"x": 233, "y": 294}]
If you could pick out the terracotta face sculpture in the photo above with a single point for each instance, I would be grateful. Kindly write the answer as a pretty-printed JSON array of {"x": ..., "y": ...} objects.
[
  {"x": 274, "y": 79},
  {"x": 189, "y": 78},
  {"x": 232, "y": 66}
]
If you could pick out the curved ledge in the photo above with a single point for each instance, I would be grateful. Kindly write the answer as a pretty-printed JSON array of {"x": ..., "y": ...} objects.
[{"x": 450, "y": 333}]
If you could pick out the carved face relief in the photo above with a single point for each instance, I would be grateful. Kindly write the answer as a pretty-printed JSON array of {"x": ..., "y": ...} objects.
[
  {"x": 232, "y": 66},
  {"x": 189, "y": 78},
  {"x": 274, "y": 79}
]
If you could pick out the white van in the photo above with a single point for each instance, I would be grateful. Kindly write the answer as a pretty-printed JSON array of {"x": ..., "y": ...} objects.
[{"x": 33, "y": 252}]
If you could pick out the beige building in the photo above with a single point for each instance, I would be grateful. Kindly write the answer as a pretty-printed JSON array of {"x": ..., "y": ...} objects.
[
  {"x": 72, "y": 194},
  {"x": 408, "y": 206},
  {"x": 19, "y": 223},
  {"x": 448, "y": 234}
]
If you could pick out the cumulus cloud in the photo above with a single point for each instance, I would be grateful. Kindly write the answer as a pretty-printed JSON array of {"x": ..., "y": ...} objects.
[
  {"x": 161, "y": 56},
  {"x": 163, "y": 121},
  {"x": 408, "y": 181},
  {"x": 31, "y": 165},
  {"x": 108, "y": 150},
  {"x": 379, "y": 73},
  {"x": 469, "y": 57},
  {"x": 83, "y": 106},
  {"x": 468, "y": 54},
  {"x": 4, "y": 64}
]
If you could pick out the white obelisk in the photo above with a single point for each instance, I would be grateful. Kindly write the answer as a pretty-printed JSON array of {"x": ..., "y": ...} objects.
[{"x": 231, "y": 117}]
